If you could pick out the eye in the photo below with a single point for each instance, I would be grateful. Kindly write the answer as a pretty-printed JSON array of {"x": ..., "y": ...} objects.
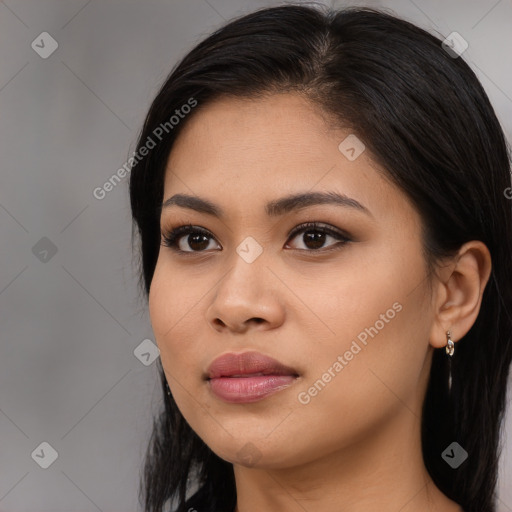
[
  {"x": 198, "y": 239},
  {"x": 314, "y": 236}
]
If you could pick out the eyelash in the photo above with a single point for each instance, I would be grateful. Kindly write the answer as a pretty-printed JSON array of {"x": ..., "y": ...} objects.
[{"x": 170, "y": 239}]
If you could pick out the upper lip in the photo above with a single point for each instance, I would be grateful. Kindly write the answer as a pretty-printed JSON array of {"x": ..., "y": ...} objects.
[{"x": 247, "y": 363}]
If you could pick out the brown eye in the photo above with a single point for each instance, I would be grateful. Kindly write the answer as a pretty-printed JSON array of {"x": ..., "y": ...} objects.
[
  {"x": 196, "y": 238},
  {"x": 314, "y": 236}
]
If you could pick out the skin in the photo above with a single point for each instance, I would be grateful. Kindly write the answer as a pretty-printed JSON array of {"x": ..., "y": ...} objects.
[{"x": 356, "y": 445}]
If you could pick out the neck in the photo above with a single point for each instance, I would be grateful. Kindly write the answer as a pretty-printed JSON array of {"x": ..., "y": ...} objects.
[{"x": 383, "y": 471}]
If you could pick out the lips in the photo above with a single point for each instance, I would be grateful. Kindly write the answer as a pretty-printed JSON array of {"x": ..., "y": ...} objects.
[
  {"x": 247, "y": 364},
  {"x": 248, "y": 377}
]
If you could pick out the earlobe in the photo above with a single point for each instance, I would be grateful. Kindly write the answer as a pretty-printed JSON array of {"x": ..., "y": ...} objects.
[{"x": 459, "y": 293}]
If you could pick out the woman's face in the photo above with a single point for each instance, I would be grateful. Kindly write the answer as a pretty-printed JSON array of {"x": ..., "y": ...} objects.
[{"x": 351, "y": 317}]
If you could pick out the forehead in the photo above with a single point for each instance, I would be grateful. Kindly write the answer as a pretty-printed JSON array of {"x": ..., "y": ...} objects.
[
  {"x": 231, "y": 126},
  {"x": 242, "y": 151}
]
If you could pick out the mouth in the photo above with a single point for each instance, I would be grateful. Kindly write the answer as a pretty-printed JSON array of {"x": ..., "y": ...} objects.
[
  {"x": 247, "y": 364},
  {"x": 248, "y": 377}
]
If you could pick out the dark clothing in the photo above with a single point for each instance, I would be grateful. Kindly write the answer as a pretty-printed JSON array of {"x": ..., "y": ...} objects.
[{"x": 200, "y": 502}]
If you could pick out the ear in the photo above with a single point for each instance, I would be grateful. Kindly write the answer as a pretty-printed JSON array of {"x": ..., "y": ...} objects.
[{"x": 458, "y": 292}]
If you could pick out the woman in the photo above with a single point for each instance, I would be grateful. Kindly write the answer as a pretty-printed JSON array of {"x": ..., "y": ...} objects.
[{"x": 326, "y": 251}]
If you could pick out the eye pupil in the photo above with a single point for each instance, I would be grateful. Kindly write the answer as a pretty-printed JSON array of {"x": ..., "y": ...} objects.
[
  {"x": 202, "y": 240},
  {"x": 316, "y": 237}
]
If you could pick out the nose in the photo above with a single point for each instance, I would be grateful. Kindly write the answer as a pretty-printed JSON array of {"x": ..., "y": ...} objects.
[{"x": 247, "y": 295}]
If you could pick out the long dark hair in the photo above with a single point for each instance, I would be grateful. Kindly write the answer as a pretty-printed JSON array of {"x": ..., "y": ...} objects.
[{"x": 425, "y": 118}]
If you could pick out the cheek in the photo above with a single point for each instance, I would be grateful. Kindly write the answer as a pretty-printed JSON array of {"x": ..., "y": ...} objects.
[
  {"x": 379, "y": 323},
  {"x": 174, "y": 321},
  {"x": 171, "y": 305},
  {"x": 341, "y": 402}
]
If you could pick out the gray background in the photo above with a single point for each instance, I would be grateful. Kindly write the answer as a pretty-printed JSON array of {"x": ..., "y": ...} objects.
[{"x": 71, "y": 321}]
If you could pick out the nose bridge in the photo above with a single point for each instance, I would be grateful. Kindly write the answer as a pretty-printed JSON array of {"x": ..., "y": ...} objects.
[
  {"x": 247, "y": 271},
  {"x": 244, "y": 293}
]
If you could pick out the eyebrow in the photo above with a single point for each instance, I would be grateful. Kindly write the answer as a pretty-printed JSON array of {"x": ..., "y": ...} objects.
[{"x": 274, "y": 208}]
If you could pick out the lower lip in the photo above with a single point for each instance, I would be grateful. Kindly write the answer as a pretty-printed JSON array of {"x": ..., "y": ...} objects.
[{"x": 249, "y": 389}]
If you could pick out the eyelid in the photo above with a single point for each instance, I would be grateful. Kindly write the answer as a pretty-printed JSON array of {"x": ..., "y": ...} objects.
[{"x": 320, "y": 226}]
